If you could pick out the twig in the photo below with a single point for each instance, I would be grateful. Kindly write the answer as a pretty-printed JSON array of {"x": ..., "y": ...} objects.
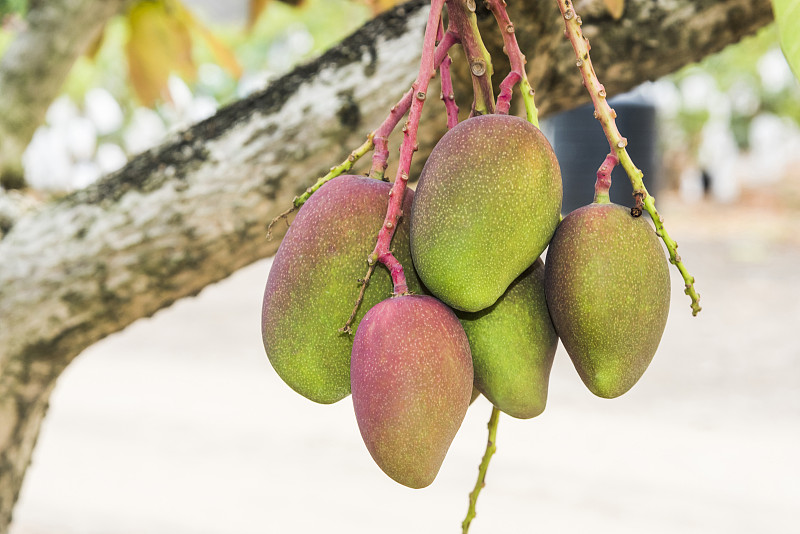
[
  {"x": 517, "y": 60},
  {"x": 347, "y": 328},
  {"x": 463, "y": 20},
  {"x": 491, "y": 448},
  {"x": 447, "y": 95},
  {"x": 617, "y": 143},
  {"x": 338, "y": 170},
  {"x": 382, "y": 253},
  {"x": 381, "y": 135}
]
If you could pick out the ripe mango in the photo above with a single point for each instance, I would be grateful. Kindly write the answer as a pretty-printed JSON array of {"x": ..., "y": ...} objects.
[
  {"x": 487, "y": 204},
  {"x": 513, "y": 344},
  {"x": 608, "y": 288},
  {"x": 313, "y": 284},
  {"x": 411, "y": 374}
]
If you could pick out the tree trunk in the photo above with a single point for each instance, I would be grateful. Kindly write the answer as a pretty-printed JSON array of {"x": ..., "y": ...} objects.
[
  {"x": 194, "y": 210},
  {"x": 35, "y": 65}
]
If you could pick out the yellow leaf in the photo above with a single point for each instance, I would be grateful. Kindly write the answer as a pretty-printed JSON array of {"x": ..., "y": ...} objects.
[
  {"x": 159, "y": 43},
  {"x": 97, "y": 44},
  {"x": 256, "y": 8},
  {"x": 379, "y": 6},
  {"x": 615, "y": 7},
  {"x": 224, "y": 55}
]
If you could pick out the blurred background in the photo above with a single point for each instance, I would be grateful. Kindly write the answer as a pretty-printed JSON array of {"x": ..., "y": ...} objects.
[{"x": 179, "y": 425}]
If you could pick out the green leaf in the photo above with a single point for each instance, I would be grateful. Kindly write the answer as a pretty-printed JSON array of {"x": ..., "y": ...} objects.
[{"x": 787, "y": 15}]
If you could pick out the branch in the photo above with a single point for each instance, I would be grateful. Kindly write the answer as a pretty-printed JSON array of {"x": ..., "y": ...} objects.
[{"x": 617, "y": 143}]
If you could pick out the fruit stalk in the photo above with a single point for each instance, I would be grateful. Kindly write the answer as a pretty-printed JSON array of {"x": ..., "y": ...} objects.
[
  {"x": 491, "y": 448},
  {"x": 463, "y": 19},
  {"x": 381, "y": 135},
  {"x": 606, "y": 116},
  {"x": 517, "y": 60},
  {"x": 603, "y": 183},
  {"x": 338, "y": 170},
  {"x": 382, "y": 253},
  {"x": 447, "y": 95}
]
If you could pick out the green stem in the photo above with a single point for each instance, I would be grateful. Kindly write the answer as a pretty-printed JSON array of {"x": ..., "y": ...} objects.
[
  {"x": 465, "y": 23},
  {"x": 606, "y": 116},
  {"x": 340, "y": 169},
  {"x": 491, "y": 448}
]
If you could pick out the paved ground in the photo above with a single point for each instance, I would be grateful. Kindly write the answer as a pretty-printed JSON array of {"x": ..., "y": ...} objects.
[{"x": 178, "y": 424}]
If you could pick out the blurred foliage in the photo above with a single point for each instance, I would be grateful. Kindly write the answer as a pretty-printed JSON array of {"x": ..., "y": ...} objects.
[
  {"x": 12, "y": 7},
  {"x": 787, "y": 15},
  {"x": 738, "y": 84},
  {"x": 161, "y": 38}
]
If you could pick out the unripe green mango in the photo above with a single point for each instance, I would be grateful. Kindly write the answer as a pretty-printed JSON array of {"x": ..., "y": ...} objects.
[
  {"x": 411, "y": 375},
  {"x": 608, "y": 289},
  {"x": 487, "y": 203},
  {"x": 313, "y": 284},
  {"x": 513, "y": 344}
]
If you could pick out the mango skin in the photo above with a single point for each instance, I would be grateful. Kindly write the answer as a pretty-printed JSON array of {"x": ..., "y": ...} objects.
[
  {"x": 412, "y": 376},
  {"x": 486, "y": 206},
  {"x": 608, "y": 290},
  {"x": 513, "y": 344},
  {"x": 313, "y": 284}
]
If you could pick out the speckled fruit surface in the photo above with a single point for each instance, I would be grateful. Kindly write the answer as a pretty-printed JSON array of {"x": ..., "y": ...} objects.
[
  {"x": 313, "y": 284},
  {"x": 487, "y": 204},
  {"x": 608, "y": 288},
  {"x": 513, "y": 344},
  {"x": 412, "y": 379}
]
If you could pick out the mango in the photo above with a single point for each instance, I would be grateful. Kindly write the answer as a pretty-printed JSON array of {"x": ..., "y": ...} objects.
[
  {"x": 313, "y": 284},
  {"x": 411, "y": 374},
  {"x": 487, "y": 204},
  {"x": 608, "y": 289},
  {"x": 513, "y": 344}
]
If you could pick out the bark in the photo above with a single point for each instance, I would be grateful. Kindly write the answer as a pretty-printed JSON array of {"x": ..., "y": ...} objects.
[
  {"x": 35, "y": 65},
  {"x": 194, "y": 210}
]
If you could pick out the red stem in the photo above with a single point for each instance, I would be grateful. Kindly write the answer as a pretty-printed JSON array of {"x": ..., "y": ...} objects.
[
  {"x": 603, "y": 183},
  {"x": 515, "y": 55},
  {"x": 380, "y": 158},
  {"x": 427, "y": 69}
]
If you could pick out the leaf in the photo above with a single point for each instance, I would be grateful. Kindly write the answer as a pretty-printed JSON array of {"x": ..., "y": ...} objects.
[
  {"x": 787, "y": 15},
  {"x": 159, "y": 44},
  {"x": 97, "y": 44},
  {"x": 224, "y": 55},
  {"x": 615, "y": 7},
  {"x": 379, "y": 6},
  {"x": 256, "y": 8}
]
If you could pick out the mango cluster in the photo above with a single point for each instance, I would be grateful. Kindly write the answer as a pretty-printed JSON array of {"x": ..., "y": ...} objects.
[{"x": 485, "y": 312}]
